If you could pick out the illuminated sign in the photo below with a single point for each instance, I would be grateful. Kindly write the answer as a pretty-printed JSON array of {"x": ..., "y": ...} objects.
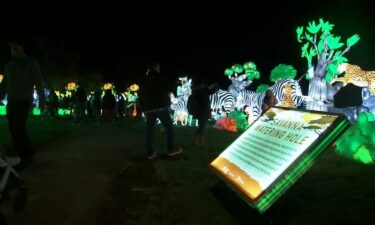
[{"x": 275, "y": 151}]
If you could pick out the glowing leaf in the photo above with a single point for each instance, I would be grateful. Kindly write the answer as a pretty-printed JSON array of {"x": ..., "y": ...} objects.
[
  {"x": 342, "y": 59},
  {"x": 313, "y": 28},
  {"x": 312, "y": 52},
  {"x": 228, "y": 72},
  {"x": 321, "y": 46},
  {"x": 250, "y": 66},
  {"x": 237, "y": 68},
  {"x": 353, "y": 40},
  {"x": 334, "y": 42},
  {"x": 304, "y": 50},
  {"x": 309, "y": 37},
  {"x": 257, "y": 75},
  {"x": 250, "y": 75},
  {"x": 326, "y": 27},
  {"x": 299, "y": 33}
]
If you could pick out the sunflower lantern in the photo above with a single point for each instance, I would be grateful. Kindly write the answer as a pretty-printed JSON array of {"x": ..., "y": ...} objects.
[
  {"x": 108, "y": 86},
  {"x": 134, "y": 87},
  {"x": 71, "y": 86}
]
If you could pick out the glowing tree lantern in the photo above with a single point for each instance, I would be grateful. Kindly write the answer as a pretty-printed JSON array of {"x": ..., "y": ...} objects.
[
  {"x": 320, "y": 44},
  {"x": 283, "y": 71},
  {"x": 179, "y": 103},
  {"x": 241, "y": 76}
]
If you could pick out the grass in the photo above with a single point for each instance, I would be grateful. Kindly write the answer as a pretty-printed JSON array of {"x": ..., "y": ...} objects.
[{"x": 183, "y": 190}]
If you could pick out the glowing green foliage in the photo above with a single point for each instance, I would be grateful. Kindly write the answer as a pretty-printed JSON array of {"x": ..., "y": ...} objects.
[
  {"x": 331, "y": 71},
  {"x": 313, "y": 28},
  {"x": 321, "y": 46},
  {"x": 312, "y": 52},
  {"x": 325, "y": 47},
  {"x": 334, "y": 42},
  {"x": 237, "y": 68},
  {"x": 36, "y": 112},
  {"x": 241, "y": 120},
  {"x": 2, "y": 110},
  {"x": 249, "y": 66},
  {"x": 251, "y": 71},
  {"x": 363, "y": 155},
  {"x": 262, "y": 88},
  {"x": 304, "y": 50},
  {"x": 309, "y": 37},
  {"x": 228, "y": 72},
  {"x": 326, "y": 26},
  {"x": 353, "y": 40},
  {"x": 283, "y": 71},
  {"x": 299, "y": 33},
  {"x": 358, "y": 142}
]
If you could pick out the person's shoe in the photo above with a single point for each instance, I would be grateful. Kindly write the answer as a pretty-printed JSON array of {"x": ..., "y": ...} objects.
[
  {"x": 153, "y": 156},
  {"x": 175, "y": 151}
]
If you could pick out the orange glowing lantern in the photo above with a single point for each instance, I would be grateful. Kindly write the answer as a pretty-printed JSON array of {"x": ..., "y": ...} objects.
[
  {"x": 134, "y": 87},
  {"x": 1, "y": 78},
  {"x": 108, "y": 86},
  {"x": 71, "y": 86}
]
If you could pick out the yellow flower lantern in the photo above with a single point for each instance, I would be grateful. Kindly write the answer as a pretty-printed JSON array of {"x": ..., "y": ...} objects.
[
  {"x": 108, "y": 86},
  {"x": 134, "y": 87},
  {"x": 1, "y": 78},
  {"x": 71, "y": 86}
]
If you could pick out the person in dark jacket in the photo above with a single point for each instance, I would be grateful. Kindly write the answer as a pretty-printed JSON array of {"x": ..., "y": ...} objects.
[
  {"x": 154, "y": 100},
  {"x": 200, "y": 107},
  {"x": 108, "y": 106},
  {"x": 21, "y": 74}
]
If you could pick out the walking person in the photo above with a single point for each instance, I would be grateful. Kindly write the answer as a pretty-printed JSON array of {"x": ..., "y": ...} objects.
[
  {"x": 21, "y": 74},
  {"x": 154, "y": 99},
  {"x": 199, "y": 107}
]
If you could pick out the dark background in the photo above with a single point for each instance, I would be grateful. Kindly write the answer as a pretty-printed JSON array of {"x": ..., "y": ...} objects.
[{"x": 187, "y": 37}]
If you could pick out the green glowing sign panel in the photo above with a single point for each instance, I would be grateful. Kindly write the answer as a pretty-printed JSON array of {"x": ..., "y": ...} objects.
[{"x": 275, "y": 151}]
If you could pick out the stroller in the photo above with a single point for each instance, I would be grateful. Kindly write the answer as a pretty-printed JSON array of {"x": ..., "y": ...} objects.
[{"x": 12, "y": 188}]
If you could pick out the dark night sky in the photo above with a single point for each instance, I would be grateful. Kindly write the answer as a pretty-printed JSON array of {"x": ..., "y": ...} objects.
[{"x": 191, "y": 36}]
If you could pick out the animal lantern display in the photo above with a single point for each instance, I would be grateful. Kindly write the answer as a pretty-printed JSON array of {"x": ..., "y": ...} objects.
[
  {"x": 179, "y": 103},
  {"x": 353, "y": 74}
]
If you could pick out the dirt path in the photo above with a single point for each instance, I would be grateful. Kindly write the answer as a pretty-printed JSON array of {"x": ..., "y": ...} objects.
[{"x": 74, "y": 175}]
